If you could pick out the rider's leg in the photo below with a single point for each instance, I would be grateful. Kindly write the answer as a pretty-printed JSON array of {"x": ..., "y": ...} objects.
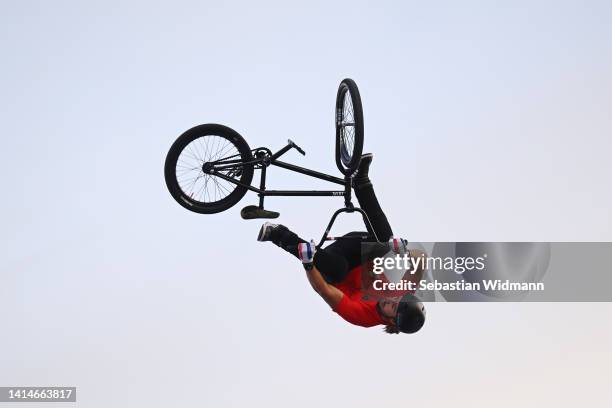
[
  {"x": 354, "y": 251},
  {"x": 281, "y": 236},
  {"x": 364, "y": 191},
  {"x": 333, "y": 266},
  {"x": 349, "y": 249}
]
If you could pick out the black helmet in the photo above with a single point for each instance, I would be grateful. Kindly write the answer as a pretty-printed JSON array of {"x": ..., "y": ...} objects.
[{"x": 410, "y": 314}]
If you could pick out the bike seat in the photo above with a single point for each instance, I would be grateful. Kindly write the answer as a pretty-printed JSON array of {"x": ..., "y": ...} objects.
[{"x": 251, "y": 212}]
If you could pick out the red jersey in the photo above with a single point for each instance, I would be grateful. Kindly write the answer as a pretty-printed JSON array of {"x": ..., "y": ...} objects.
[
  {"x": 358, "y": 305},
  {"x": 355, "y": 306}
]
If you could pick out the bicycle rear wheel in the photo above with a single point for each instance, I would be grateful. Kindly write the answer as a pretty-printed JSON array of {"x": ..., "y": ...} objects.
[
  {"x": 349, "y": 127},
  {"x": 197, "y": 150}
]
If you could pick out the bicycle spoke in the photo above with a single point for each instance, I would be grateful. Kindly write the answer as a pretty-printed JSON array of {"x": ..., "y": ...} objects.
[
  {"x": 206, "y": 144},
  {"x": 348, "y": 123},
  {"x": 224, "y": 153},
  {"x": 206, "y": 192},
  {"x": 200, "y": 190},
  {"x": 190, "y": 185}
]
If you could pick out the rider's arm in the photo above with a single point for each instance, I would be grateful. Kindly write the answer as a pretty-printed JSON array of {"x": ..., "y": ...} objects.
[
  {"x": 329, "y": 293},
  {"x": 355, "y": 312}
]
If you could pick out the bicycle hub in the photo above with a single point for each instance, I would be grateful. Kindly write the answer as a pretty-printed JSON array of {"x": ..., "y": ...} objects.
[{"x": 207, "y": 167}]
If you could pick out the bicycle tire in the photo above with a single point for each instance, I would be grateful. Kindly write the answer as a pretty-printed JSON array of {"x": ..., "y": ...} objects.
[
  {"x": 198, "y": 154},
  {"x": 349, "y": 127}
]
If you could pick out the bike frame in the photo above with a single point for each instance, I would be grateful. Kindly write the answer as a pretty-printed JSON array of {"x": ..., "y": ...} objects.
[
  {"x": 266, "y": 160},
  {"x": 263, "y": 158}
]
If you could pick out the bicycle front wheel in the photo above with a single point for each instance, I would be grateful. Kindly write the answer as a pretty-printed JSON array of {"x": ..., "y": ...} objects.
[
  {"x": 188, "y": 163},
  {"x": 349, "y": 127}
]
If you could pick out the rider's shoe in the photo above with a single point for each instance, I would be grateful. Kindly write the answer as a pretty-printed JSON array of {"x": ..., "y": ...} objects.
[
  {"x": 361, "y": 177},
  {"x": 265, "y": 233}
]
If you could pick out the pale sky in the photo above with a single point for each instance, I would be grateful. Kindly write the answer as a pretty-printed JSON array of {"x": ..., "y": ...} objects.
[{"x": 489, "y": 121}]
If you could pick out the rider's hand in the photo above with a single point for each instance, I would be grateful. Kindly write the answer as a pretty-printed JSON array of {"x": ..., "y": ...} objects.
[
  {"x": 306, "y": 252},
  {"x": 398, "y": 245}
]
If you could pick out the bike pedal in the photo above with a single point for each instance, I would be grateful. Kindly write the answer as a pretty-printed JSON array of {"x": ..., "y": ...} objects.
[{"x": 251, "y": 212}]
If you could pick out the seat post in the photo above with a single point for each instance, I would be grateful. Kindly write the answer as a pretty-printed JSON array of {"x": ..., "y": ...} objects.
[{"x": 262, "y": 186}]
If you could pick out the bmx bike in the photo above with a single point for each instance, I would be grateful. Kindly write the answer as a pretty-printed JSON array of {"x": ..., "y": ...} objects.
[{"x": 209, "y": 168}]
